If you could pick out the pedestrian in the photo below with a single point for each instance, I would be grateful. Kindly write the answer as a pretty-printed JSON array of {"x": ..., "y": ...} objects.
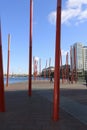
[
  {"x": 69, "y": 78},
  {"x": 51, "y": 79}
]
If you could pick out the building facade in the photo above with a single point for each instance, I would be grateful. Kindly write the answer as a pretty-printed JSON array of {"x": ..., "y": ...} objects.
[
  {"x": 77, "y": 57},
  {"x": 85, "y": 58}
]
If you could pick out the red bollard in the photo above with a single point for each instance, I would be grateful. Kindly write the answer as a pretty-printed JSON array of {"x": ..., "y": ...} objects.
[
  {"x": 57, "y": 64},
  {"x": 2, "y": 101}
]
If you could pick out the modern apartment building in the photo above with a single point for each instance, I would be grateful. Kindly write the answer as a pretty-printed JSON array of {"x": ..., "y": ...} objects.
[
  {"x": 77, "y": 56},
  {"x": 85, "y": 57}
]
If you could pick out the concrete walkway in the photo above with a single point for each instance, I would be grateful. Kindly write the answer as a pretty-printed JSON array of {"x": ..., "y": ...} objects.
[
  {"x": 78, "y": 110},
  {"x": 72, "y": 107},
  {"x": 35, "y": 113}
]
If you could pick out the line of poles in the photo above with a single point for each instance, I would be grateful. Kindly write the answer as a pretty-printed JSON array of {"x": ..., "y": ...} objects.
[
  {"x": 57, "y": 60},
  {"x": 57, "y": 65}
]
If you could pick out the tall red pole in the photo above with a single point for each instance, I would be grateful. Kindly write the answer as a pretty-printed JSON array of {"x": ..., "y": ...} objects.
[
  {"x": 8, "y": 62},
  {"x": 57, "y": 64},
  {"x": 2, "y": 101},
  {"x": 30, "y": 52}
]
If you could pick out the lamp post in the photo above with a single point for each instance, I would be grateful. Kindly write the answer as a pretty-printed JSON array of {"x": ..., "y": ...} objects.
[
  {"x": 57, "y": 64},
  {"x": 30, "y": 52},
  {"x": 2, "y": 102}
]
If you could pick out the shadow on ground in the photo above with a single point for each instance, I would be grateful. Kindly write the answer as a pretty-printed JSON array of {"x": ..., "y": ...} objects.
[{"x": 35, "y": 112}]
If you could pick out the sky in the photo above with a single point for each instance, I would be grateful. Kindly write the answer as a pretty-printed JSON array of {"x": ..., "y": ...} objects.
[{"x": 15, "y": 15}]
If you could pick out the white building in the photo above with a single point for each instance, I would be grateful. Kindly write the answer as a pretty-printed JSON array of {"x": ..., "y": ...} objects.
[
  {"x": 85, "y": 58},
  {"x": 77, "y": 55}
]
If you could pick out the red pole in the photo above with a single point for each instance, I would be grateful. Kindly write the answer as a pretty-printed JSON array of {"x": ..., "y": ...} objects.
[
  {"x": 8, "y": 62},
  {"x": 2, "y": 101},
  {"x": 57, "y": 64},
  {"x": 30, "y": 52}
]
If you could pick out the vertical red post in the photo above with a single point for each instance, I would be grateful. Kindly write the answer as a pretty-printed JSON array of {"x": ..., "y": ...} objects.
[
  {"x": 30, "y": 52},
  {"x": 2, "y": 101},
  {"x": 8, "y": 60},
  {"x": 57, "y": 64}
]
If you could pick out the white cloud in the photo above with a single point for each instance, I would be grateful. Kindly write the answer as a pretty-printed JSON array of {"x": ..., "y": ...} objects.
[
  {"x": 75, "y": 3},
  {"x": 74, "y": 10},
  {"x": 52, "y": 17},
  {"x": 36, "y": 58},
  {"x": 64, "y": 52}
]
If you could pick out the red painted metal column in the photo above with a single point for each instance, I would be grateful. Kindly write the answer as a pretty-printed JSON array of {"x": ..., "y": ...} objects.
[
  {"x": 2, "y": 101},
  {"x": 30, "y": 53},
  {"x": 57, "y": 64},
  {"x": 8, "y": 62}
]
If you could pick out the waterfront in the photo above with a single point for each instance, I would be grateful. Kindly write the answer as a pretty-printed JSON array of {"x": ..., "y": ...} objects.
[{"x": 18, "y": 79}]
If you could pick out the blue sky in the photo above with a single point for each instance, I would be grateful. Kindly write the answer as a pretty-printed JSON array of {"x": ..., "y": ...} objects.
[{"x": 15, "y": 20}]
